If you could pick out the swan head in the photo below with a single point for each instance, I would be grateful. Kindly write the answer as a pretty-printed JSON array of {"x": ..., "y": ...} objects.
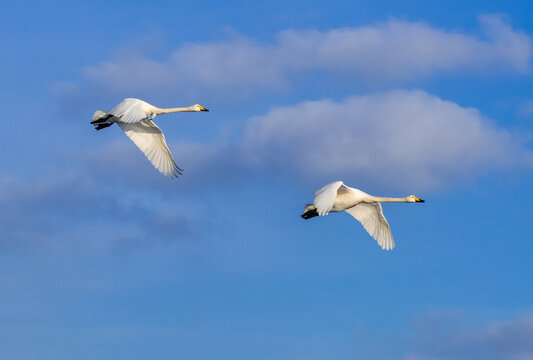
[
  {"x": 198, "y": 107},
  {"x": 412, "y": 198}
]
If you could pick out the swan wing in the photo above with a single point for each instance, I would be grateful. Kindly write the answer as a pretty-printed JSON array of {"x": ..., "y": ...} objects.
[
  {"x": 131, "y": 111},
  {"x": 325, "y": 197},
  {"x": 150, "y": 139},
  {"x": 373, "y": 220}
]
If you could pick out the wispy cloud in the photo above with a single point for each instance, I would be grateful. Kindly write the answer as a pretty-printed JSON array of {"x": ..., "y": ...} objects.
[
  {"x": 70, "y": 211},
  {"x": 503, "y": 340},
  {"x": 526, "y": 108},
  {"x": 391, "y": 52}
]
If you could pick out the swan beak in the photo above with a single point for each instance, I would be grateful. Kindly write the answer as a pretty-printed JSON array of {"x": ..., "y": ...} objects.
[
  {"x": 203, "y": 108},
  {"x": 419, "y": 200}
]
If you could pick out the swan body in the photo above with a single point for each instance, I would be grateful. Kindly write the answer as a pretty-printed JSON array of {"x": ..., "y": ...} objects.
[
  {"x": 336, "y": 197},
  {"x": 135, "y": 117}
]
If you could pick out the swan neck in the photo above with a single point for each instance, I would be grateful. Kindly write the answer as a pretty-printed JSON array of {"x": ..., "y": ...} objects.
[
  {"x": 159, "y": 111},
  {"x": 387, "y": 199}
]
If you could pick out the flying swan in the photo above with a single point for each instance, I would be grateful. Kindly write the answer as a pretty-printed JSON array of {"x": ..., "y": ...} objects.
[
  {"x": 135, "y": 117},
  {"x": 366, "y": 208}
]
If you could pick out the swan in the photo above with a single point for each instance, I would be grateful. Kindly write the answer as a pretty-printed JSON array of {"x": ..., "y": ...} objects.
[
  {"x": 336, "y": 197},
  {"x": 135, "y": 117}
]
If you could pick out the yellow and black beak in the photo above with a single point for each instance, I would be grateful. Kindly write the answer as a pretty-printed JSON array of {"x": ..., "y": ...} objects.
[
  {"x": 203, "y": 108},
  {"x": 419, "y": 200}
]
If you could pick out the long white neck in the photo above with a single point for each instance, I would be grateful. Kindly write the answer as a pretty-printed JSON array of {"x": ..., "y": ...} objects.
[
  {"x": 387, "y": 199},
  {"x": 159, "y": 111}
]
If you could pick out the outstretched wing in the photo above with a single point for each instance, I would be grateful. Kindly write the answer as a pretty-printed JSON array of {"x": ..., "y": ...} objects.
[
  {"x": 373, "y": 220},
  {"x": 325, "y": 197},
  {"x": 131, "y": 111},
  {"x": 149, "y": 138}
]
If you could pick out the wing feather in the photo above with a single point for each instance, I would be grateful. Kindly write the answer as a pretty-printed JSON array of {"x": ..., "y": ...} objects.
[
  {"x": 325, "y": 197},
  {"x": 150, "y": 139},
  {"x": 373, "y": 220},
  {"x": 131, "y": 111}
]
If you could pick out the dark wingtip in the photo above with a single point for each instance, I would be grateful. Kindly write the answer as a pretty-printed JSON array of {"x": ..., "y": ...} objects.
[
  {"x": 101, "y": 126},
  {"x": 176, "y": 174},
  {"x": 309, "y": 214}
]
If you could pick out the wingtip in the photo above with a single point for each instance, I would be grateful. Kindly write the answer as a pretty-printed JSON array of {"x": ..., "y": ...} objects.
[{"x": 176, "y": 172}]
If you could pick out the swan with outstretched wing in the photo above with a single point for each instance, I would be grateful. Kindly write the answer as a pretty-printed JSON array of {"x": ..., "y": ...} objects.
[
  {"x": 135, "y": 117},
  {"x": 336, "y": 197}
]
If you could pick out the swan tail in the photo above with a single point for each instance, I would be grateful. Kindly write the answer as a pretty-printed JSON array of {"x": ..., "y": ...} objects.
[
  {"x": 102, "y": 119},
  {"x": 309, "y": 212}
]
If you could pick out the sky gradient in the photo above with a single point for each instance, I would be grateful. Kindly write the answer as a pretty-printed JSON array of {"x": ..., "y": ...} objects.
[{"x": 103, "y": 257}]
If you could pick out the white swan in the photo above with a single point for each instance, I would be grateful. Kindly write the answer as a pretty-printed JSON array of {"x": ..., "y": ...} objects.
[
  {"x": 366, "y": 208},
  {"x": 135, "y": 117}
]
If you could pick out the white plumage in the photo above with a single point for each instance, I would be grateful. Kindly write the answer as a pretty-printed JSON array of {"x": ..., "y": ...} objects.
[
  {"x": 149, "y": 138},
  {"x": 135, "y": 117},
  {"x": 365, "y": 208}
]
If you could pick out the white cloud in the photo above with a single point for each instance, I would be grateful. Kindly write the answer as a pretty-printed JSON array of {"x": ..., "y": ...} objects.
[
  {"x": 389, "y": 51},
  {"x": 398, "y": 49},
  {"x": 403, "y": 137}
]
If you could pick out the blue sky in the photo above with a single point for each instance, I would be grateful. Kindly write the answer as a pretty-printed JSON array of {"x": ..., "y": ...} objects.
[{"x": 102, "y": 257}]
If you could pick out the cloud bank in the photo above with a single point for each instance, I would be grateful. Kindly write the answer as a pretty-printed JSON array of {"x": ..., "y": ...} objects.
[
  {"x": 407, "y": 137},
  {"x": 390, "y": 51}
]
